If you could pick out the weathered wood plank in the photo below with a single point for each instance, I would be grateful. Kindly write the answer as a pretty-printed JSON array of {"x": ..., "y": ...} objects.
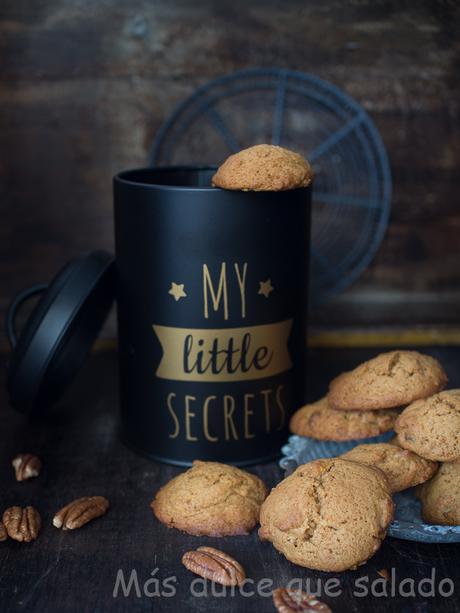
[{"x": 84, "y": 88}]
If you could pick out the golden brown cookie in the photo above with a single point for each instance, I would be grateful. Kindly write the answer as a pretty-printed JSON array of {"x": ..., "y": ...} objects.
[
  {"x": 263, "y": 168},
  {"x": 440, "y": 497},
  {"x": 211, "y": 499},
  {"x": 329, "y": 515},
  {"x": 321, "y": 422},
  {"x": 431, "y": 427},
  {"x": 402, "y": 467},
  {"x": 389, "y": 380}
]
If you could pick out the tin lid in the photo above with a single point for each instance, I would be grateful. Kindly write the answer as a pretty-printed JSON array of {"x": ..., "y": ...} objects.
[{"x": 59, "y": 332}]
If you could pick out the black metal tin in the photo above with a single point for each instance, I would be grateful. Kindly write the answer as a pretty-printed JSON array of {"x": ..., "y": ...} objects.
[{"x": 211, "y": 289}]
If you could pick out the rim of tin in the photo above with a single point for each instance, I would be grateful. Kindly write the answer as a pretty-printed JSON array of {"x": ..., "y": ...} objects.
[{"x": 125, "y": 177}]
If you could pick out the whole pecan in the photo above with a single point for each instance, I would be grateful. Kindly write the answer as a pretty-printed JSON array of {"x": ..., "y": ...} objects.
[
  {"x": 296, "y": 601},
  {"x": 80, "y": 511},
  {"x": 26, "y": 466},
  {"x": 215, "y": 565},
  {"x": 22, "y": 525},
  {"x": 3, "y": 532}
]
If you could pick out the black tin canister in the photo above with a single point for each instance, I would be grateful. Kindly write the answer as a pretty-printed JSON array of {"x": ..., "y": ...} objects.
[{"x": 212, "y": 302}]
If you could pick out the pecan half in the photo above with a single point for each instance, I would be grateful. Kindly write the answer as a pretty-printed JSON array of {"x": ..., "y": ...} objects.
[
  {"x": 384, "y": 574},
  {"x": 22, "y": 525},
  {"x": 215, "y": 565},
  {"x": 296, "y": 601},
  {"x": 3, "y": 532},
  {"x": 80, "y": 511},
  {"x": 26, "y": 466}
]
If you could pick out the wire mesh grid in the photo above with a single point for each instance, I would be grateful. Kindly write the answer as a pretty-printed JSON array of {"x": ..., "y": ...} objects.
[{"x": 352, "y": 186}]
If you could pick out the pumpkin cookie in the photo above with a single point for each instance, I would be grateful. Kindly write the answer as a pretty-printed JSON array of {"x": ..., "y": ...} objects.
[
  {"x": 440, "y": 497},
  {"x": 431, "y": 427},
  {"x": 211, "y": 499},
  {"x": 389, "y": 380},
  {"x": 263, "y": 168},
  {"x": 329, "y": 515},
  {"x": 402, "y": 467},
  {"x": 321, "y": 422}
]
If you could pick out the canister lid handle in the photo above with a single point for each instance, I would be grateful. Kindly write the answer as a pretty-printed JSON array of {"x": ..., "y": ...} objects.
[{"x": 14, "y": 307}]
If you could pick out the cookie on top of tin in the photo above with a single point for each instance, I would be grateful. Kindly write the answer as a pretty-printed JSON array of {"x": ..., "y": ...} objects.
[{"x": 265, "y": 168}]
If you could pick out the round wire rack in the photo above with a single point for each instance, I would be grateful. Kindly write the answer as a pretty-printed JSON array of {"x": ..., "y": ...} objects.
[{"x": 352, "y": 185}]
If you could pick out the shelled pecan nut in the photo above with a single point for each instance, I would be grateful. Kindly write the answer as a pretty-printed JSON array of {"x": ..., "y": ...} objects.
[
  {"x": 296, "y": 601},
  {"x": 22, "y": 525},
  {"x": 3, "y": 532},
  {"x": 215, "y": 565},
  {"x": 26, "y": 466},
  {"x": 80, "y": 511}
]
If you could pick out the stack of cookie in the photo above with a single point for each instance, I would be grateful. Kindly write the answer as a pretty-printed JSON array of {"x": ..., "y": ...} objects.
[
  {"x": 399, "y": 390},
  {"x": 333, "y": 514},
  {"x": 366, "y": 401}
]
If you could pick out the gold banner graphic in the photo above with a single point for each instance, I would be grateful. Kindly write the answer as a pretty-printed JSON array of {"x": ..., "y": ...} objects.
[{"x": 229, "y": 354}]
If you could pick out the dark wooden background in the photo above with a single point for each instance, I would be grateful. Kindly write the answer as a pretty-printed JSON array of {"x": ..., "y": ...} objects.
[{"x": 85, "y": 86}]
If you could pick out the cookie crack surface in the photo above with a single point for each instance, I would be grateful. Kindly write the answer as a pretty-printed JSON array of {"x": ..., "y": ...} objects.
[
  {"x": 312, "y": 524},
  {"x": 220, "y": 503}
]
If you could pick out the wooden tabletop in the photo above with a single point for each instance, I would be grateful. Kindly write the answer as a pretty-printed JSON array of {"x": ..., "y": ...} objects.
[{"x": 82, "y": 455}]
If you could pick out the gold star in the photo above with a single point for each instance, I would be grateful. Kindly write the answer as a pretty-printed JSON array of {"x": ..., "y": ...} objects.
[
  {"x": 177, "y": 290},
  {"x": 265, "y": 288}
]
